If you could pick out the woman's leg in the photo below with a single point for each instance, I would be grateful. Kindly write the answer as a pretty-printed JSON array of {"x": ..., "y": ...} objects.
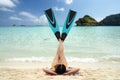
[
  {"x": 55, "y": 60},
  {"x": 60, "y": 58}
]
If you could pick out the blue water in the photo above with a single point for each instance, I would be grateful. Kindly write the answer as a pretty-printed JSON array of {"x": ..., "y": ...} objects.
[{"x": 39, "y": 43}]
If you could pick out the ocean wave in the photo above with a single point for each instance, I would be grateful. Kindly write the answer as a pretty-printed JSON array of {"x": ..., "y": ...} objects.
[
  {"x": 76, "y": 59},
  {"x": 31, "y": 59},
  {"x": 50, "y": 59},
  {"x": 113, "y": 58}
]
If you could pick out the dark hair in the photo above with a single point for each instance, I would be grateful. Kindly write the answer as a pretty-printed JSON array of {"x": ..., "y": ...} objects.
[{"x": 60, "y": 69}]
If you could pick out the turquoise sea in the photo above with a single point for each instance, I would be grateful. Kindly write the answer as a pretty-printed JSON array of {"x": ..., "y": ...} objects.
[{"x": 83, "y": 44}]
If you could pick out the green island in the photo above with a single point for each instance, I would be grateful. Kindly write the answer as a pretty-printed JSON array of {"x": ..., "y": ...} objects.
[{"x": 112, "y": 20}]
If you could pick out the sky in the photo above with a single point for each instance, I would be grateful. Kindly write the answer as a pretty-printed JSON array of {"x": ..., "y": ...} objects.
[{"x": 31, "y": 12}]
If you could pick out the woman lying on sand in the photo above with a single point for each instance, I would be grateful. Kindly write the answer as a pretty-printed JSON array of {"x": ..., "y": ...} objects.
[{"x": 59, "y": 65}]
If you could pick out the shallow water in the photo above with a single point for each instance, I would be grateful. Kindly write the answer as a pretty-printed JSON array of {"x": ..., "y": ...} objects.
[{"x": 39, "y": 44}]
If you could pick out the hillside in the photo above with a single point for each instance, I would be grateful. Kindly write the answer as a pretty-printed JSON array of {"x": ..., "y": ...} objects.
[
  {"x": 86, "y": 21},
  {"x": 112, "y": 20}
]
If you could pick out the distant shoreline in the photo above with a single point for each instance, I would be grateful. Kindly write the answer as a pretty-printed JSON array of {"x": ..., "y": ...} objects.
[{"x": 48, "y": 26}]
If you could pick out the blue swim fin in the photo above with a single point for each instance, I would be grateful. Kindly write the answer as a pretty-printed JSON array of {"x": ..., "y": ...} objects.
[
  {"x": 52, "y": 22},
  {"x": 68, "y": 24}
]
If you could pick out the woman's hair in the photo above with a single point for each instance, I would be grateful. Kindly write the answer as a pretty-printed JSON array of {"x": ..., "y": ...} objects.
[{"x": 60, "y": 69}]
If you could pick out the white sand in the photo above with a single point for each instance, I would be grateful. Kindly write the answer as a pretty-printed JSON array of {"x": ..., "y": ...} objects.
[{"x": 33, "y": 71}]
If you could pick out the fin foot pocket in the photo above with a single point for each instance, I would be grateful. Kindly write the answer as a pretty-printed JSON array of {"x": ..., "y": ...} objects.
[
  {"x": 64, "y": 35},
  {"x": 57, "y": 34}
]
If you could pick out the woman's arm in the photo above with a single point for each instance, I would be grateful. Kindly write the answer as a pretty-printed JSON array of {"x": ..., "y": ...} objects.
[
  {"x": 71, "y": 71},
  {"x": 49, "y": 71}
]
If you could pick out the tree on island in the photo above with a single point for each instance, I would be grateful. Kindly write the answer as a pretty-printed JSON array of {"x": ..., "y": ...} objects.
[
  {"x": 112, "y": 20},
  {"x": 86, "y": 21}
]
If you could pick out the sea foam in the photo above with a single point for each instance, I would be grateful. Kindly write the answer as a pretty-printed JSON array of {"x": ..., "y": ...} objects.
[
  {"x": 50, "y": 59},
  {"x": 112, "y": 58}
]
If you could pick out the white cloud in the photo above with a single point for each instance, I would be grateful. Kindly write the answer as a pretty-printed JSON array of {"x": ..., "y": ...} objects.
[
  {"x": 43, "y": 20},
  {"x": 27, "y": 14},
  {"x": 6, "y": 9},
  {"x": 37, "y": 20},
  {"x": 59, "y": 9},
  {"x": 30, "y": 16},
  {"x": 15, "y": 18},
  {"x": 68, "y": 1},
  {"x": 7, "y": 3}
]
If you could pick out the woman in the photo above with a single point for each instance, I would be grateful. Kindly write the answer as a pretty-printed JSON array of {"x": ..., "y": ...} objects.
[{"x": 59, "y": 65}]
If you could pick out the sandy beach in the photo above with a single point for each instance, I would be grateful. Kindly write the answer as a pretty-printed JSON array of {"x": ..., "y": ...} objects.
[
  {"x": 33, "y": 71},
  {"x": 36, "y": 33}
]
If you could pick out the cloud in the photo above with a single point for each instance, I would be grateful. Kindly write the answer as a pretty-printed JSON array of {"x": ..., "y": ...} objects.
[
  {"x": 43, "y": 20},
  {"x": 37, "y": 20},
  {"x": 27, "y": 14},
  {"x": 66, "y": 1},
  {"x": 59, "y": 9},
  {"x": 6, "y": 9},
  {"x": 15, "y": 18},
  {"x": 7, "y": 3},
  {"x": 30, "y": 16}
]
